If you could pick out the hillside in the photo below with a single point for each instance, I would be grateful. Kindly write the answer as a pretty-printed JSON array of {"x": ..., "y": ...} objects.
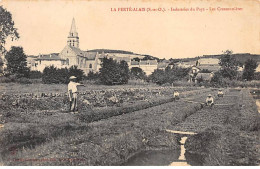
[
  {"x": 240, "y": 57},
  {"x": 147, "y": 57}
]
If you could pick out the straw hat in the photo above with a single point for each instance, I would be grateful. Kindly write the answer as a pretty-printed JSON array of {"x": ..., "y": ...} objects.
[
  {"x": 209, "y": 95},
  {"x": 72, "y": 77}
]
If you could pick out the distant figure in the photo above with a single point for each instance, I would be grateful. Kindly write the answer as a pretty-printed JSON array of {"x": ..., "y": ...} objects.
[
  {"x": 209, "y": 100},
  {"x": 220, "y": 93},
  {"x": 176, "y": 95},
  {"x": 73, "y": 93}
]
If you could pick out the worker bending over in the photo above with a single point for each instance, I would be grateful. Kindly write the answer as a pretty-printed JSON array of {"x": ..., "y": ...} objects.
[
  {"x": 176, "y": 95},
  {"x": 220, "y": 93},
  {"x": 209, "y": 100}
]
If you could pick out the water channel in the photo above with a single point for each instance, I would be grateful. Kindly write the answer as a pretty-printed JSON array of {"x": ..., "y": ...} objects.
[{"x": 178, "y": 157}]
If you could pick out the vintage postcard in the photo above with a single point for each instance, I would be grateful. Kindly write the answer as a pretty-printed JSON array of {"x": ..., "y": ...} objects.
[{"x": 129, "y": 83}]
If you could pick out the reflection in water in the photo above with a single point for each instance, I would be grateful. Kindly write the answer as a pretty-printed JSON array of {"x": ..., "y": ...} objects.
[
  {"x": 176, "y": 157},
  {"x": 182, "y": 156},
  {"x": 153, "y": 158}
]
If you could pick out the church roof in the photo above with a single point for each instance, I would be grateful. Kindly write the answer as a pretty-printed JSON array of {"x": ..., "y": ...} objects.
[
  {"x": 77, "y": 51},
  {"x": 90, "y": 55}
]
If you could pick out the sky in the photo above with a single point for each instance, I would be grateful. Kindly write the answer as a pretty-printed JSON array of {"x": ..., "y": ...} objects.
[{"x": 44, "y": 25}]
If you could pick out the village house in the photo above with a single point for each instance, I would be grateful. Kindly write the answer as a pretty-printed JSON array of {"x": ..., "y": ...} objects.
[
  {"x": 163, "y": 64},
  {"x": 211, "y": 64},
  {"x": 148, "y": 66},
  {"x": 182, "y": 64}
]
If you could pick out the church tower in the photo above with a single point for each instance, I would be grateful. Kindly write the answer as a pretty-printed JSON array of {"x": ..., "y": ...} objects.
[{"x": 73, "y": 38}]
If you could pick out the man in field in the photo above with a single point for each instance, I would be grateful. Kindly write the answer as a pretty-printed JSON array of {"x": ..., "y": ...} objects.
[
  {"x": 176, "y": 95},
  {"x": 73, "y": 93},
  {"x": 209, "y": 100},
  {"x": 220, "y": 93}
]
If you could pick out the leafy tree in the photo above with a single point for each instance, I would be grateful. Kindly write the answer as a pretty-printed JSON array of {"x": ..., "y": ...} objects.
[
  {"x": 35, "y": 75},
  {"x": 74, "y": 71},
  {"x": 257, "y": 76},
  {"x": 217, "y": 79},
  {"x": 158, "y": 76},
  {"x": 124, "y": 72},
  {"x": 249, "y": 69},
  {"x": 49, "y": 75},
  {"x": 137, "y": 73},
  {"x": 169, "y": 75},
  {"x": 229, "y": 65},
  {"x": 1, "y": 64},
  {"x": 62, "y": 75},
  {"x": 54, "y": 75},
  {"x": 7, "y": 28},
  {"x": 16, "y": 62},
  {"x": 112, "y": 72}
]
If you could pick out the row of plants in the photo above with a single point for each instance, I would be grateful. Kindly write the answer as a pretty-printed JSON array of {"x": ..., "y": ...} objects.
[
  {"x": 113, "y": 141},
  {"x": 93, "y": 99},
  {"x": 229, "y": 136}
]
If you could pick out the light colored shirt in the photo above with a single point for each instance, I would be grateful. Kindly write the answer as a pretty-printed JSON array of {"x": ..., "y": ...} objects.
[
  {"x": 176, "y": 94},
  {"x": 210, "y": 99},
  {"x": 73, "y": 87},
  {"x": 220, "y": 92}
]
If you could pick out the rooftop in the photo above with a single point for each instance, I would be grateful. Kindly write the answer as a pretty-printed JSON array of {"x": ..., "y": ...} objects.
[{"x": 52, "y": 56}]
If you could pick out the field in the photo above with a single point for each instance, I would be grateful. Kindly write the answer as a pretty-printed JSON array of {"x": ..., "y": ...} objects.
[{"x": 117, "y": 122}]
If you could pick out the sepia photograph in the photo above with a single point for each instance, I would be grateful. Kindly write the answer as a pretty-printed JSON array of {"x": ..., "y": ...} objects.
[{"x": 129, "y": 83}]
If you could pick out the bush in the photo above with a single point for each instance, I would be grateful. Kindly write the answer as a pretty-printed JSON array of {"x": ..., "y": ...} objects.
[
  {"x": 137, "y": 73},
  {"x": 4, "y": 79},
  {"x": 54, "y": 75},
  {"x": 50, "y": 75},
  {"x": 74, "y": 71},
  {"x": 92, "y": 76},
  {"x": 23, "y": 80},
  {"x": 35, "y": 75},
  {"x": 169, "y": 75}
]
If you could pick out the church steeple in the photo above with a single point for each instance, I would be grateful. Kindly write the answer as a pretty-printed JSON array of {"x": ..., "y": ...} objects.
[{"x": 73, "y": 38}]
